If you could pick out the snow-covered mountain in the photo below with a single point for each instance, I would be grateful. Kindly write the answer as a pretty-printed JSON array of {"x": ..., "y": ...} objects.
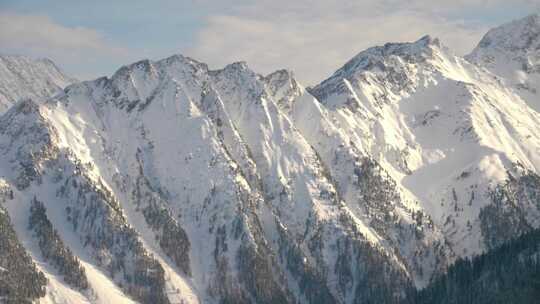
[
  {"x": 173, "y": 183},
  {"x": 446, "y": 130},
  {"x": 24, "y": 77},
  {"x": 512, "y": 52}
]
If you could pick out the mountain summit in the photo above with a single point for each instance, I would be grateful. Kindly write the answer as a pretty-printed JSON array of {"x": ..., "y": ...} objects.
[
  {"x": 521, "y": 35},
  {"x": 23, "y": 77},
  {"x": 512, "y": 52}
]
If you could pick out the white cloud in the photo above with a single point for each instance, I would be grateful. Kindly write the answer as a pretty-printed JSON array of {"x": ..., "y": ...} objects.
[
  {"x": 468, "y": 5},
  {"x": 311, "y": 37},
  {"x": 314, "y": 38},
  {"x": 40, "y": 36}
]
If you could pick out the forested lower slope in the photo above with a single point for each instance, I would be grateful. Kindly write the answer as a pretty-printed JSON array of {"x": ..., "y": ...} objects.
[{"x": 508, "y": 274}]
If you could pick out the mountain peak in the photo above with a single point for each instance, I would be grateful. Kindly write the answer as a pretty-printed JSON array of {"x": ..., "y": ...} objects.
[
  {"x": 427, "y": 40},
  {"x": 282, "y": 73},
  {"x": 240, "y": 73},
  {"x": 25, "y": 77},
  {"x": 416, "y": 51},
  {"x": 394, "y": 62},
  {"x": 19, "y": 61},
  {"x": 522, "y": 34},
  {"x": 144, "y": 65},
  {"x": 183, "y": 60},
  {"x": 512, "y": 52},
  {"x": 239, "y": 66},
  {"x": 283, "y": 87},
  {"x": 279, "y": 78},
  {"x": 175, "y": 62}
]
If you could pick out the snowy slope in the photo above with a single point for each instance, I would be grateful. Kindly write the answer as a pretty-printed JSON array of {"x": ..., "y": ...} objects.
[
  {"x": 446, "y": 130},
  {"x": 169, "y": 182},
  {"x": 512, "y": 52},
  {"x": 23, "y": 77},
  {"x": 221, "y": 188}
]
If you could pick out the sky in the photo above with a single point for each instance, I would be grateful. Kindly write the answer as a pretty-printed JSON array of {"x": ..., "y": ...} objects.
[{"x": 313, "y": 38}]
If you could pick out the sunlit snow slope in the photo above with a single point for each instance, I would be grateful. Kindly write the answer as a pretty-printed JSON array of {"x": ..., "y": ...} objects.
[{"x": 448, "y": 131}]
